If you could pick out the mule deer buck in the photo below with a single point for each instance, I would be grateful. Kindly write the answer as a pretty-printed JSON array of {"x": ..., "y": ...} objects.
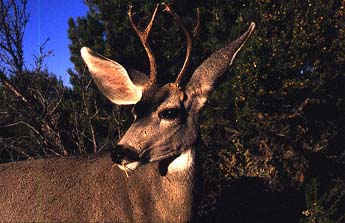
[{"x": 158, "y": 151}]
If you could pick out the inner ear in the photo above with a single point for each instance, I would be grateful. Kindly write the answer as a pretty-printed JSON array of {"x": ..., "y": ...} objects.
[{"x": 112, "y": 78}]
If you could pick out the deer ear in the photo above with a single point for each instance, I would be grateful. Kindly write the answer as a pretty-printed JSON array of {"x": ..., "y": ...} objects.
[
  {"x": 205, "y": 77},
  {"x": 113, "y": 80}
]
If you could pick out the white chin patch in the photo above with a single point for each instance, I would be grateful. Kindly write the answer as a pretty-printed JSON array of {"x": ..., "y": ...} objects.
[
  {"x": 129, "y": 166},
  {"x": 182, "y": 162}
]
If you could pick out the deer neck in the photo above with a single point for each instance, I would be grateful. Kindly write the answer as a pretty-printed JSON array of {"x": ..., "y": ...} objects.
[
  {"x": 183, "y": 163},
  {"x": 176, "y": 195}
]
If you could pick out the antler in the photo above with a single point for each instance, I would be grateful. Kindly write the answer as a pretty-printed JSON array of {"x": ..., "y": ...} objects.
[
  {"x": 197, "y": 24},
  {"x": 188, "y": 40},
  {"x": 143, "y": 39}
]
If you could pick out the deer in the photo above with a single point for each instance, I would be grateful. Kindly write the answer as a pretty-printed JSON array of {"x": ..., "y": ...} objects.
[{"x": 152, "y": 173}]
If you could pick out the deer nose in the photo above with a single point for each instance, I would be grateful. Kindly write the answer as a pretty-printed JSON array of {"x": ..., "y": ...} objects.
[{"x": 124, "y": 154}]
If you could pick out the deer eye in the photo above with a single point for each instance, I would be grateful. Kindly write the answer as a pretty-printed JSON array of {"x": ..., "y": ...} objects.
[{"x": 169, "y": 114}]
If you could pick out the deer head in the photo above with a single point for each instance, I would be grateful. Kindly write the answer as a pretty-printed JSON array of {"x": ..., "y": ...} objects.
[{"x": 166, "y": 118}]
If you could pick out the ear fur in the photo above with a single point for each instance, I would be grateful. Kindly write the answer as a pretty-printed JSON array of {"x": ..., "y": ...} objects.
[
  {"x": 113, "y": 80},
  {"x": 206, "y": 75}
]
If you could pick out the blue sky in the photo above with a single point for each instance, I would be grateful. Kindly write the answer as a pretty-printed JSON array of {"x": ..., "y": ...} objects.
[{"x": 48, "y": 19}]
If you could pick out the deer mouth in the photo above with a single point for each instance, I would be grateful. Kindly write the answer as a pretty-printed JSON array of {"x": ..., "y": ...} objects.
[
  {"x": 128, "y": 159},
  {"x": 129, "y": 166}
]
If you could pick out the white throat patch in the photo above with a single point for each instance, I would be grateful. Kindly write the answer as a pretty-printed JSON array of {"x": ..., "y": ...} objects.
[{"x": 182, "y": 162}]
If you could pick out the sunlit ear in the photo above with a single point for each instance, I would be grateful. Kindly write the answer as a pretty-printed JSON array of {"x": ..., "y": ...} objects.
[
  {"x": 113, "y": 80},
  {"x": 206, "y": 76}
]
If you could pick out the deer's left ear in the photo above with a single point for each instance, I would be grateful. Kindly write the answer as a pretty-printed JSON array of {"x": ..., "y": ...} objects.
[
  {"x": 205, "y": 77},
  {"x": 113, "y": 80}
]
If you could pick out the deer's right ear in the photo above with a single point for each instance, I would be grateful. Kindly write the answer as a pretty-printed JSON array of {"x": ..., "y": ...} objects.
[
  {"x": 206, "y": 77},
  {"x": 113, "y": 80}
]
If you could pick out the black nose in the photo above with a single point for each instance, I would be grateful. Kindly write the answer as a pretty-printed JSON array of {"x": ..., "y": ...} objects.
[{"x": 124, "y": 154}]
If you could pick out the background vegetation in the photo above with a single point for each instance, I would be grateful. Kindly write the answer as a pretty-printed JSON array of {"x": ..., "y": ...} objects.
[{"x": 273, "y": 132}]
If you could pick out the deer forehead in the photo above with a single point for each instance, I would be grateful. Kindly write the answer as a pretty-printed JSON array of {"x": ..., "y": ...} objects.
[{"x": 157, "y": 99}]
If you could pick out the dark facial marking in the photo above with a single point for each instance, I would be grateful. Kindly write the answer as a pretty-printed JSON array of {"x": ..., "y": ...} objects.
[
  {"x": 163, "y": 165},
  {"x": 149, "y": 102}
]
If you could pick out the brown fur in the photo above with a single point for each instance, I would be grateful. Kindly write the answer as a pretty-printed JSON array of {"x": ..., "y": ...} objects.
[{"x": 91, "y": 190}]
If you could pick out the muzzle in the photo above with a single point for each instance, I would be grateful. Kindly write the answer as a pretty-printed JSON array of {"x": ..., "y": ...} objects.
[{"x": 128, "y": 158}]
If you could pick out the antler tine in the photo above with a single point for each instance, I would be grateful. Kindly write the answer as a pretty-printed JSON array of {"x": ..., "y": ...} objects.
[
  {"x": 188, "y": 39},
  {"x": 143, "y": 35},
  {"x": 197, "y": 24}
]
